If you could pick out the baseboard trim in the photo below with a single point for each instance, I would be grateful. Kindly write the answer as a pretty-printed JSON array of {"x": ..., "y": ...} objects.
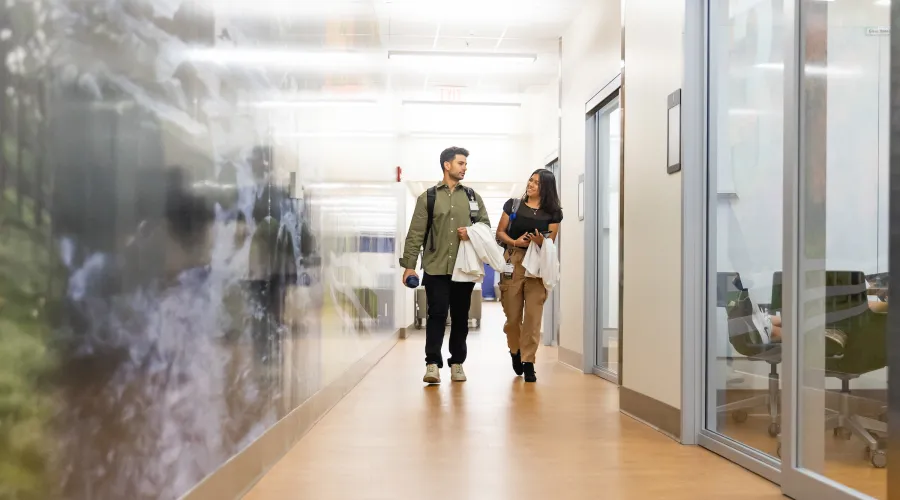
[
  {"x": 570, "y": 358},
  {"x": 662, "y": 417},
  {"x": 240, "y": 473}
]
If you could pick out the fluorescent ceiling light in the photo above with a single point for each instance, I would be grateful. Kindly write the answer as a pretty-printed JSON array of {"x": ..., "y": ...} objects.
[
  {"x": 311, "y": 103},
  {"x": 492, "y": 57},
  {"x": 295, "y": 9},
  {"x": 459, "y": 62},
  {"x": 463, "y": 103},
  {"x": 346, "y": 185},
  {"x": 334, "y": 134},
  {"x": 883, "y": 3},
  {"x": 281, "y": 57},
  {"x": 448, "y": 135}
]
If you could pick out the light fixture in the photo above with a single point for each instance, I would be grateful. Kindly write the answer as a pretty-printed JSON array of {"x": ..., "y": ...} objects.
[
  {"x": 418, "y": 55},
  {"x": 311, "y": 103},
  {"x": 883, "y": 3},
  {"x": 282, "y": 58},
  {"x": 334, "y": 135},
  {"x": 498, "y": 104},
  {"x": 434, "y": 61},
  {"x": 456, "y": 135}
]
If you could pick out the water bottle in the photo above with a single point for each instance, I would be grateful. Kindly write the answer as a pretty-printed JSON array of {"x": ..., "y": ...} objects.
[{"x": 412, "y": 282}]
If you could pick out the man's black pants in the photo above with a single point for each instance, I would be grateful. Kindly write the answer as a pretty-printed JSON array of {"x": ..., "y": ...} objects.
[{"x": 445, "y": 295}]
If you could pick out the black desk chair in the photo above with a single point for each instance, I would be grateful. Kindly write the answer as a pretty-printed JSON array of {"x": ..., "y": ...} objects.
[{"x": 747, "y": 341}]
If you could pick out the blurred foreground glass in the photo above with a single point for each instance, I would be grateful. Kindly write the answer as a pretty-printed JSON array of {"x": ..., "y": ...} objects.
[{"x": 174, "y": 276}]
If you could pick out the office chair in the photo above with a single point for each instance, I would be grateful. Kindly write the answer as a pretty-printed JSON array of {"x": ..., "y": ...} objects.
[
  {"x": 854, "y": 345},
  {"x": 746, "y": 340}
]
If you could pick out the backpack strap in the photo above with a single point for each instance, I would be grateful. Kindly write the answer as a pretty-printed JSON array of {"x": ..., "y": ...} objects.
[
  {"x": 430, "y": 196},
  {"x": 513, "y": 212},
  {"x": 516, "y": 202}
]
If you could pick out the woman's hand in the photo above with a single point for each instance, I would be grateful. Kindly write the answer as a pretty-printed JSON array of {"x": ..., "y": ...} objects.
[
  {"x": 536, "y": 237},
  {"x": 522, "y": 242}
]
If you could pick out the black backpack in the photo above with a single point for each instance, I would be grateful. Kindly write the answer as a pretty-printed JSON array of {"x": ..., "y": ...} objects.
[{"x": 430, "y": 196}]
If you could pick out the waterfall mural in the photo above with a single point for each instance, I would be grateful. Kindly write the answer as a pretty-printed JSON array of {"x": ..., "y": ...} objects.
[{"x": 169, "y": 285}]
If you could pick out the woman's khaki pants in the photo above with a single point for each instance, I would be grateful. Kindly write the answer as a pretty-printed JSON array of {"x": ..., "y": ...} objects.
[{"x": 523, "y": 302}]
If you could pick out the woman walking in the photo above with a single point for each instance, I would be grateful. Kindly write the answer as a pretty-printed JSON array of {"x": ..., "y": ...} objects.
[{"x": 532, "y": 219}]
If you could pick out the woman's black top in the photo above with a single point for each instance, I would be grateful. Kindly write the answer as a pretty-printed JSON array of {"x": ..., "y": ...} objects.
[{"x": 528, "y": 219}]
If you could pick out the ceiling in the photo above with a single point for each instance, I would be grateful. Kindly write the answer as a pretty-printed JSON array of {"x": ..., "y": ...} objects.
[{"x": 377, "y": 26}]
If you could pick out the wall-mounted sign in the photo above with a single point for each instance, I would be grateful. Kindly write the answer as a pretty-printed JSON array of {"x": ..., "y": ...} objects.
[
  {"x": 451, "y": 94},
  {"x": 878, "y": 31},
  {"x": 673, "y": 134}
]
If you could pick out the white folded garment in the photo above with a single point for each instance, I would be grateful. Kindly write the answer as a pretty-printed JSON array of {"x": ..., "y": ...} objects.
[
  {"x": 480, "y": 249},
  {"x": 542, "y": 262}
]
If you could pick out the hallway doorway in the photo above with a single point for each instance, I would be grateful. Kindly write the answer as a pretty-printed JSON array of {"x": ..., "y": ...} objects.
[{"x": 602, "y": 188}]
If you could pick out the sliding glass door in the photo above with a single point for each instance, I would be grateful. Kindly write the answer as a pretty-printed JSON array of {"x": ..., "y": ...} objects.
[
  {"x": 608, "y": 138},
  {"x": 837, "y": 276},
  {"x": 797, "y": 239},
  {"x": 602, "y": 184}
]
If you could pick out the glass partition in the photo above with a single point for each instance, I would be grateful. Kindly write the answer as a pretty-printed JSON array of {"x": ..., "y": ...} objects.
[
  {"x": 176, "y": 272},
  {"x": 608, "y": 140},
  {"x": 842, "y": 277},
  {"x": 797, "y": 235},
  {"x": 745, "y": 213}
]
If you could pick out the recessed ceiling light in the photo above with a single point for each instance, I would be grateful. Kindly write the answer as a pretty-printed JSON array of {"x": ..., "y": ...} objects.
[{"x": 469, "y": 57}]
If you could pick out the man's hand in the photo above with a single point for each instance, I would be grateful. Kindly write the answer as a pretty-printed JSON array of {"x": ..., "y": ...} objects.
[
  {"x": 463, "y": 234},
  {"x": 407, "y": 273}
]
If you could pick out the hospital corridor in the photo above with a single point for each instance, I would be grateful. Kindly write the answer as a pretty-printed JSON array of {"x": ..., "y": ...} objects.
[{"x": 449, "y": 249}]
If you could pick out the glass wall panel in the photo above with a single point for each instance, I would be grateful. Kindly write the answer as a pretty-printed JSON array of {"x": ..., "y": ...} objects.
[
  {"x": 842, "y": 275},
  {"x": 177, "y": 272},
  {"x": 608, "y": 163},
  {"x": 743, "y": 349}
]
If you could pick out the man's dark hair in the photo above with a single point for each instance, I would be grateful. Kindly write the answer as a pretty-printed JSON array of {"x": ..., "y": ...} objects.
[{"x": 450, "y": 153}]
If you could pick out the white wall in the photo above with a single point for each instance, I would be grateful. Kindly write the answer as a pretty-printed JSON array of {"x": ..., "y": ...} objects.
[
  {"x": 652, "y": 199},
  {"x": 591, "y": 58},
  {"x": 542, "y": 113}
]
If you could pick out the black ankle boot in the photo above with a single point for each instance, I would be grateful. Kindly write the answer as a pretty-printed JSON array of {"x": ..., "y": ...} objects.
[
  {"x": 529, "y": 372},
  {"x": 517, "y": 362}
]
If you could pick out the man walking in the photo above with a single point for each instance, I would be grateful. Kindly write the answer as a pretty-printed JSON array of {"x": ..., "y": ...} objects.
[{"x": 438, "y": 225}]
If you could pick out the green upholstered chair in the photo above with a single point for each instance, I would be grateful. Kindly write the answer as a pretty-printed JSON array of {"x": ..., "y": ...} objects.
[{"x": 855, "y": 344}]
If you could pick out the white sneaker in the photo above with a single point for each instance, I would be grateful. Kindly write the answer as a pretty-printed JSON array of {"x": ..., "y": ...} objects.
[
  {"x": 432, "y": 375},
  {"x": 457, "y": 374}
]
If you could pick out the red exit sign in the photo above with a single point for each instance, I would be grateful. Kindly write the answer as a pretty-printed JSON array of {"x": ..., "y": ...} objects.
[{"x": 451, "y": 93}]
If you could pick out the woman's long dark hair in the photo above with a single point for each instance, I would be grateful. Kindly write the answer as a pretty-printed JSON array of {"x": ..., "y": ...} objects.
[{"x": 550, "y": 203}]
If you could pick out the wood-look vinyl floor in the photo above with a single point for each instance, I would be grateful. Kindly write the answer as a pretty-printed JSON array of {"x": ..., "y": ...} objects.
[{"x": 494, "y": 438}]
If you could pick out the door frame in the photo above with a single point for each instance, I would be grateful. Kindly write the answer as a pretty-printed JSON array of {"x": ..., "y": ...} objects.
[
  {"x": 593, "y": 254},
  {"x": 553, "y": 305}
]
